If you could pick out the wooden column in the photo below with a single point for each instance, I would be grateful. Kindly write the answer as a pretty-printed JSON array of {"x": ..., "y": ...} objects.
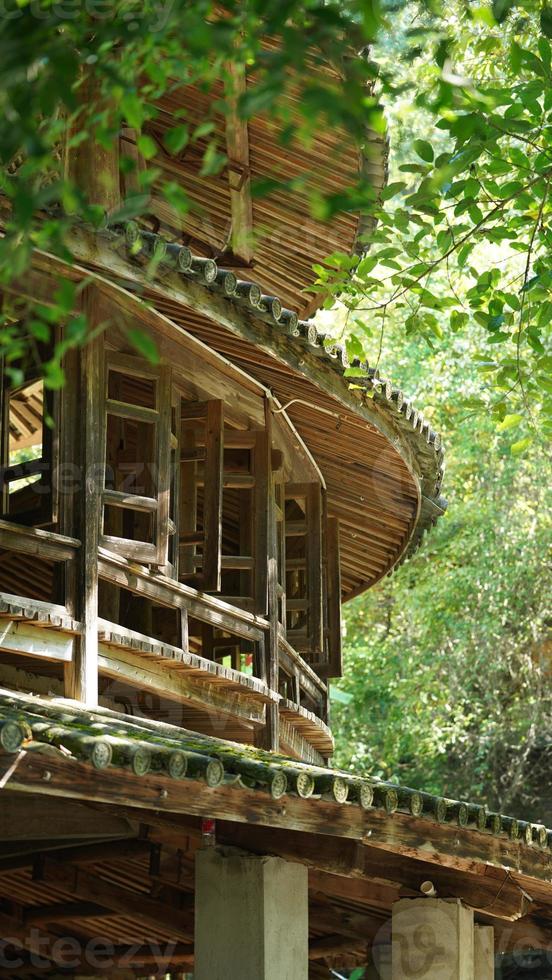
[
  {"x": 433, "y": 939},
  {"x": 90, "y": 165},
  {"x": 251, "y": 917},
  {"x": 81, "y": 676},
  {"x": 266, "y": 578},
  {"x": 239, "y": 176}
]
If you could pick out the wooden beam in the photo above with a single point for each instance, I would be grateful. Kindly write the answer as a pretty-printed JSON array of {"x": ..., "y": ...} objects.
[
  {"x": 266, "y": 572},
  {"x": 60, "y": 911},
  {"x": 526, "y": 934},
  {"x": 375, "y": 870},
  {"x": 36, "y": 541},
  {"x": 325, "y": 946},
  {"x": 112, "y": 850},
  {"x": 146, "y": 674},
  {"x": 212, "y": 517},
  {"x": 314, "y": 570},
  {"x": 333, "y": 585},
  {"x": 36, "y": 941},
  {"x": 167, "y": 592},
  {"x": 35, "y": 641},
  {"x": 239, "y": 176},
  {"x": 31, "y": 819}
]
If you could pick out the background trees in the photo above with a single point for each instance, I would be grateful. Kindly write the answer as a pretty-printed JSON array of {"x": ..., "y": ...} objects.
[{"x": 448, "y": 662}]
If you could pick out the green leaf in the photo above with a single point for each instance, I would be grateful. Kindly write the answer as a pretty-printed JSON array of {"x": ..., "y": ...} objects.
[
  {"x": 54, "y": 376},
  {"x": 144, "y": 344},
  {"x": 133, "y": 109},
  {"x": 546, "y": 20},
  {"x": 519, "y": 447},
  {"x": 424, "y": 150},
  {"x": 146, "y": 146},
  {"x": 392, "y": 189},
  {"x": 501, "y": 9},
  {"x": 458, "y": 320},
  {"x": 509, "y": 421},
  {"x": 464, "y": 253},
  {"x": 176, "y": 139}
]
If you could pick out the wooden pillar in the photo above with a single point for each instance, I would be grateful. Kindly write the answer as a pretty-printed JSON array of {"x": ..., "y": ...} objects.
[
  {"x": 251, "y": 917},
  {"x": 239, "y": 175},
  {"x": 266, "y": 579},
  {"x": 81, "y": 675},
  {"x": 433, "y": 939},
  {"x": 90, "y": 165}
]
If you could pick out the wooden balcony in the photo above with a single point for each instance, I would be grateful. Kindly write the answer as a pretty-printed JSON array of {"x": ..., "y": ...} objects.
[{"x": 226, "y": 694}]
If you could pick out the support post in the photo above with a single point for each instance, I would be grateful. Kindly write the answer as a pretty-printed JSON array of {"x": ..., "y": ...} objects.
[
  {"x": 266, "y": 580},
  {"x": 433, "y": 939},
  {"x": 483, "y": 952},
  {"x": 81, "y": 676},
  {"x": 93, "y": 167},
  {"x": 251, "y": 917}
]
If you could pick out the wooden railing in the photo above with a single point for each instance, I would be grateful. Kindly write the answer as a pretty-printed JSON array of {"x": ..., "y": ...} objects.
[
  {"x": 35, "y": 541},
  {"x": 163, "y": 668}
]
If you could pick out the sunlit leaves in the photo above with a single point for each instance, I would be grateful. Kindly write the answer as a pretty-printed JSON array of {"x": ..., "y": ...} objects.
[
  {"x": 424, "y": 150},
  {"x": 472, "y": 230}
]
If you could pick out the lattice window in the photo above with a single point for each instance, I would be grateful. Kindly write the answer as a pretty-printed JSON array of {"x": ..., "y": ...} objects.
[
  {"x": 304, "y": 571},
  {"x": 137, "y": 478},
  {"x": 200, "y": 512}
]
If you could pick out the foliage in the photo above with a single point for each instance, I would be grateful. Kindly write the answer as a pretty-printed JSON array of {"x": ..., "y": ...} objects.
[
  {"x": 470, "y": 199},
  {"x": 70, "y": 72},
  {"x": 448, "y": 663},
  {"x": 464, "y": 226}
]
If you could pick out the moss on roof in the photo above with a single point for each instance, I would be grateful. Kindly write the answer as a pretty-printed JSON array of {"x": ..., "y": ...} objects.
[{"x": 105, "y": 739}]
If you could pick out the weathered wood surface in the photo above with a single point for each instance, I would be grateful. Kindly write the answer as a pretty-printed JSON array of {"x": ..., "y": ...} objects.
[
  {"x": 349, "y": 405},
  {"x": 81, "y": 674},
  {"x": 442, "y": 846},
  {"x": 309, "y": 725},
  {"x": 148, "y": 675},
  {"x": 35, "y": 641},
  {"x": 92, "y": 888},
  {"x": 239, "y": 174},
  {"x": 35, "y": 541},
  {"x": 45, "y": 615},
  {"x": 177, "y": 659},
  {"x": 167, "y": 592}
]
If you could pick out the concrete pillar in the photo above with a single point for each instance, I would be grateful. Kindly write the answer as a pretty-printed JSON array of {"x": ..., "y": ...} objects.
[
  {"x": 433, "y": 939},
  {"x": 251, "y": 917},
  {"x": 483, "y": 952},
  {"x": 379, "y": 963}
]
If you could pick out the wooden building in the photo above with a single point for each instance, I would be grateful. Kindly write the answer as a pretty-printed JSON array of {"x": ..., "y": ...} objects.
[{"x": 177, "y": 538}]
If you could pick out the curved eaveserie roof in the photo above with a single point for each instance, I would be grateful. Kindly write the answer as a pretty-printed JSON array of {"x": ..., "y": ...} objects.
[{"x": 105, "y": 740}]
